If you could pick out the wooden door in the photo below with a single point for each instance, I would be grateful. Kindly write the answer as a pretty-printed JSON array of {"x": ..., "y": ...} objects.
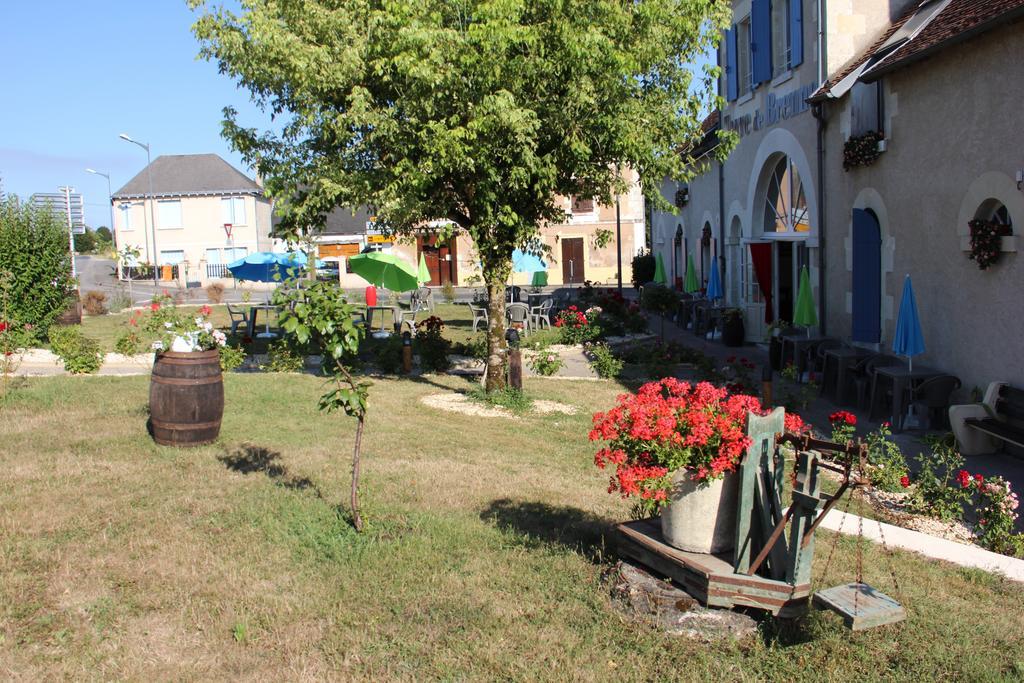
[
  {"x": 867, "y": 278},
  {"x": 573, "y": 271},
  {"x": 440, "y": 259}
]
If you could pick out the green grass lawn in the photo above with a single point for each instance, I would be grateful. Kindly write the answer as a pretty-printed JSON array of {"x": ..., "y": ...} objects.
[{"x": 120, "y": 559}]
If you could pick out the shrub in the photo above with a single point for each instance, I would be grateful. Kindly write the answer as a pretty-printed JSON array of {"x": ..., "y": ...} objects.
[
  {"x": 934, "y": 493},
  {"x": 508, "y": 398},
  {"x": 79, "y": 353},
  {"x": 387, "y": 354},
  {"x": 644, "y": 266},
  {"x": 95, "y": 302},
  {"x": 431, "y": 346},
  {"x": 129, "y": 343},
  {"x": 997, "y": 514},
  {"x": 660, "y": 299},
  {"x": 283, "y": 356},
  {"x": 119, "y": 301},
  {"x": 604, "y": 361},
  {"x": 34, "y": 250},
  {"x": 448, "y": 292},
  {"x": 231, "y": 357},
  {"x": 888, "y": 466},
  {"x": 215, "y": 292},
  {"x": 539, "y": 340},
  {"x": 575, "y": 327},
  {"x": 546, "y": 363}
]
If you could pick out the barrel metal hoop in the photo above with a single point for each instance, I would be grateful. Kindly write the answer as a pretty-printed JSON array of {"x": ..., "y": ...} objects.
[
  {"x": 182, "y": 382},
  {"x": 183, "y": 426}
]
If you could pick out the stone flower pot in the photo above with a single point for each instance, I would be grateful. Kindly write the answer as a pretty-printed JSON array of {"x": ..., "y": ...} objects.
[{"x": 701, "y": 518}]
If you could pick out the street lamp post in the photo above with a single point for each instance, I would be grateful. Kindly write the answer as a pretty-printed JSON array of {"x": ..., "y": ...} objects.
[
  {"x": 152, "y": 200},
  {"x": 110, "y": 201}
]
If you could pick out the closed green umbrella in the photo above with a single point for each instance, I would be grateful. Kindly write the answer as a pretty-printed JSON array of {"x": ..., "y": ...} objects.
[
  {"x": 423, "y": 276},
  {"x": 385, "y": 270},
  {"x": 805, "y": 314},
  {"x": 691, "y": 285},
  {"x": 659, "y": 270}
]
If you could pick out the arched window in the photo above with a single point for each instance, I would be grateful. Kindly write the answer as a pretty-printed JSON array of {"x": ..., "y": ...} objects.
[
  {"x": 995, "y": 211},
  {"x": 785, "y": 209}
]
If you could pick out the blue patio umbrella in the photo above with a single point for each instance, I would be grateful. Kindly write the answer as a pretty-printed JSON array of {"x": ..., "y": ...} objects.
[
  {"x": 525, "y": 262},
  {"x": 909, "y": 340},
  {"x": 267, "y": 266},
  {"x": 714, "y": 282}
]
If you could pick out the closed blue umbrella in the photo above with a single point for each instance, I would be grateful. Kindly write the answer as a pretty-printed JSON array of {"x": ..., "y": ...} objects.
[
  {"x": 714, "y": 282},
  {"x": 267, "y": 266},
  {"x": 909, "y": 340}
]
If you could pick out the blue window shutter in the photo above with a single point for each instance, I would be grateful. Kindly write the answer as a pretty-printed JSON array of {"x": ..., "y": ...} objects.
[
  {"x": 796, "y": 33},
  {"x": 761, "y": 40},
  {"x": 867, "y": 278},
  {"x": 731, "y": 76}
]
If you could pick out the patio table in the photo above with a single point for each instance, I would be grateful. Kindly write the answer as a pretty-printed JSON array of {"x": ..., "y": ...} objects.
[
  {"x": 384, "y": 308},
  {"x": 797, "y": 343},
  {"x": 900, "y": 378},
  {"x": 840, "y": 360},
  {"x": 266, "y": 308}
]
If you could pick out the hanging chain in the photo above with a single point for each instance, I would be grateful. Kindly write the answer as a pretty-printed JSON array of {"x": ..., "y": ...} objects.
[
  {"x": 891, "y": 563},
  {"x": 860, "y": 555},
  {"x": 835, "y": 538}
]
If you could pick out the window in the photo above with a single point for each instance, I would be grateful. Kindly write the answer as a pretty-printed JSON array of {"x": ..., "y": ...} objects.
[
  {"x": 785, "y": 209},
  {"x": 168, "y": 214},
  {"x": 995, "y": 211},
  {"x": 865, "y": 112},
  {"x": 780, "y": 36},
  {"x": 580, "y": 205},
  {"x": 172, "y": 258},
  {"x": 213, "y": 255},
  {"x": 126, "y": 216},
  {"x": 233, "y": 210},
  {"x": 743, "y": 66}
]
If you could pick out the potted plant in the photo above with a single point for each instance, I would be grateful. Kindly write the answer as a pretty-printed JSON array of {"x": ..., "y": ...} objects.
[
  {"x": 675, "y": 447},
  {"x": 186, "y": 389},
  {"x": 733, "y": 331}
]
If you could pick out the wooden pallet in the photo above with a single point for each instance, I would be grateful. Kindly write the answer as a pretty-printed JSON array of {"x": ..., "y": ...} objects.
[
  {"x": 860, "y": 606},
  {"x": 708, "y": 578}
]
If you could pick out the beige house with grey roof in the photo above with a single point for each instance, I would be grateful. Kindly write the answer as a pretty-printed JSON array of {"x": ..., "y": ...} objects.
[{"x": 202, "y": 214}]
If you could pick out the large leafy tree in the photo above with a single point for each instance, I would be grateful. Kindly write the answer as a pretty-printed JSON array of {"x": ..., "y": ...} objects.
[{"x": 481, "y": 112}]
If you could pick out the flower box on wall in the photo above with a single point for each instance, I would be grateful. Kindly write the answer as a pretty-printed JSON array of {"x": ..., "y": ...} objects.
[
  {"x": 863, "y": 150},
  {"x": 987, "y": 240}
]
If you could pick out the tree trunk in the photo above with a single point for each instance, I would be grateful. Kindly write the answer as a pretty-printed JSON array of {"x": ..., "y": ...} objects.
[
  {"x": 497, "y": 347},
  {"x": 357, "y": 521}
]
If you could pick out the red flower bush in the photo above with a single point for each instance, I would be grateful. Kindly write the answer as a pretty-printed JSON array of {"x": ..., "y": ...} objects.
[
  {"x": 670, "y": 425},
  {"x": 843, "y": 416},
  {"x": 843, "y": 426}
]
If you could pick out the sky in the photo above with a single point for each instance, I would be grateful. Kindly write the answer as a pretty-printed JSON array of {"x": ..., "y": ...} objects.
[{"x": 79, "y": 72}]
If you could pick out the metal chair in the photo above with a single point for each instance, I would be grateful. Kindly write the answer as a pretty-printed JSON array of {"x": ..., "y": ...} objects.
[
  {"x": 479, "y": 316},
  {"x": 518, "y": 314},
  {"x": 932, "y": 395},
  {"x": 239, "y": 316},
  {"x": 540, "y": 316},
  {"x": 422, "y": 299},
  {"x": 866, "y": 381}
]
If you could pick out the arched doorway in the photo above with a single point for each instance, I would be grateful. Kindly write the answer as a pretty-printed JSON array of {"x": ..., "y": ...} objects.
[{"x": 866, "y": 286}]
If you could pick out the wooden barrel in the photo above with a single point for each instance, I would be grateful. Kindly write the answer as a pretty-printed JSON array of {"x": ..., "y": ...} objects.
[{"x": 186, "y": 398}]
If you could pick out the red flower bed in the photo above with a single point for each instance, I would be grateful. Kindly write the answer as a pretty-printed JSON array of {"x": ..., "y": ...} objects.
[{"x": 669, "y": 425}]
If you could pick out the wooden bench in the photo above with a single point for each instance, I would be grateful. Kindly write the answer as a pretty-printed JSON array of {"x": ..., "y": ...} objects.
[{"x": 999, "y": 419}]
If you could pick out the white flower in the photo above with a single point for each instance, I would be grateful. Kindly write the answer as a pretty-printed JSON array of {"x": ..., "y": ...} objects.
[
  {"x": 168, "y": 325},
  {"x": 220, "y": 337},
  {"x": 158, "y": 346},
  {"x": 207, "y": 326},
  {"x": 199, "y": 321}
]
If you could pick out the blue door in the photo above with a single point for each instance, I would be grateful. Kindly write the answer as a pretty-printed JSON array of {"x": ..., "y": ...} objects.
[{"x": 867, "y": 278}]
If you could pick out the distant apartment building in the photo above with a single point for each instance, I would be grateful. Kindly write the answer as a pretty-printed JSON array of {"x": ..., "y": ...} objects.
[{"x": 206, "y": 214}]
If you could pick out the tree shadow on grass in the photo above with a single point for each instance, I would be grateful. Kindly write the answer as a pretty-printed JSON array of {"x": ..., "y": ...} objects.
[
  {"x": 248, "y": 459},
  {"x": 539, "y": 524}
]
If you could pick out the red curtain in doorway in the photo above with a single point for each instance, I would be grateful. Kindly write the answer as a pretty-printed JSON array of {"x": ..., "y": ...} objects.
[{"x": 761, "y": 257}]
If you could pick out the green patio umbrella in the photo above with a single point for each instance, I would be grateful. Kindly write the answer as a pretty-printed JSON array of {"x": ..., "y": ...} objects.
[
  {"x": 659, "y": 270},
  {"x": 804, "y": 314},
  {"x": 691, "y": 285},
  {"x": 385, "y": 270},
  {"x": 423, "y": 276}
]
